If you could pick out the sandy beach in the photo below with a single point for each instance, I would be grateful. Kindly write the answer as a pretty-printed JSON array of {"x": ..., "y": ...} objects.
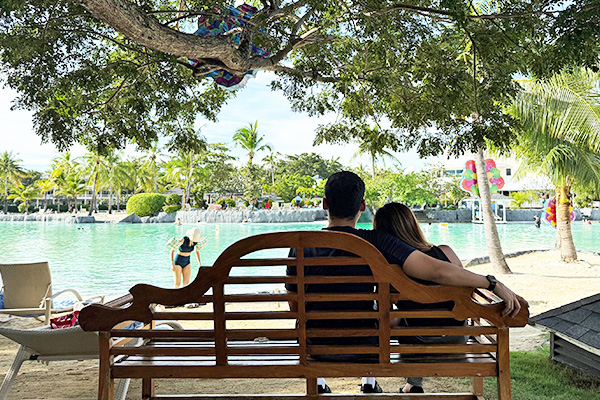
[{"x": 539, "y": 277}]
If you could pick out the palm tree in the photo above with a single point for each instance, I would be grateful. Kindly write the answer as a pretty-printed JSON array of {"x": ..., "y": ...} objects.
[
  {"x": 64, "y": 164},
  {"x": 24, "y": 195},
  {"x": 71, "y": 186},
  {"x": 137, "y": 177},
  {"x": 95, "y": 166},
  {"x": 10, "y": 172},
  {"x": 182, "y": 170},
  {"x": 271, "y": 161},
  {"x": 373, "y": 142},
  {"x": 115, "y": 178},
  {"x": 45, "y": 186},
  {"x": 152, "y": 163},
  {"x": 248, "y": 139},
  {"x": 561, "y": 138}
]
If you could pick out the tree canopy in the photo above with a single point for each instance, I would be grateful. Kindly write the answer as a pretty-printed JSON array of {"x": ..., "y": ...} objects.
[{"x": 105, "y": 72}]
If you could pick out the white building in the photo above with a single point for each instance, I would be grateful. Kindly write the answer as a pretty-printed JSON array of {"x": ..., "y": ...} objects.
[{"x": 508, "y": 167}]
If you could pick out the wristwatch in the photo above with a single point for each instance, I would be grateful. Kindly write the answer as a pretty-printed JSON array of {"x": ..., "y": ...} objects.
[{"x": 493, "y": 281}]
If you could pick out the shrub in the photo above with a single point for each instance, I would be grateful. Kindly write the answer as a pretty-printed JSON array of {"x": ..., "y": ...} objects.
[
  {"x": 173, "y": 199},
  {"x": 145, "y": 204},
  {"x": 171, "y": 208}
]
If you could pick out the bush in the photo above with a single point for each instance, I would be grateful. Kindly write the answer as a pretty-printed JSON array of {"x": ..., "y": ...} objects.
[
  {"x": 171, "y": 208},
  {"x": 103, "y": 207},
  {"x": 173, "y": 199},
  {"x": 145, "y": 204}
]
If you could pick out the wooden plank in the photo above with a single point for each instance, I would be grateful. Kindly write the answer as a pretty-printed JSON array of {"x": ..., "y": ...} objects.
[
  {"x": 503, "y": 356},
  {"x": 157, "y": 369},
  {"x": 249, "y": 280},
  {"x": 332, "y": 396},
  {"x": 444, "y": 330},
  {"x": 220, "y": 325},
  {"x": 258, "y": 297},
  {"x": 339, "y": 279},
  {"x": 343, "y": 350},
  {"x": 334, "y": 261},
  {"x": 341, "y": 332},
  {"x": 420, "y": 313},
  {"x": 341, "y": 296},
  {"x": 209, "y": 351},
  {"x": 300, "y": 302},
  {"x": 342, "y": 315},
  {"x": 478, "y": 386},
  {"x": 186, "y": 333},
  {"x": 147, "y": 388},
  {"x": 263, "y": 262},
  {"x": 442, "y": 348},
  {"x": 384, "y": 323},
  {"x": 106, "y": 383}
]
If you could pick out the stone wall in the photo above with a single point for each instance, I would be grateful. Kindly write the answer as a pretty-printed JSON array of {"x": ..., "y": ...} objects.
[
  {"x": 464, "y": 215},
  {"x": 69, "y": 219}
]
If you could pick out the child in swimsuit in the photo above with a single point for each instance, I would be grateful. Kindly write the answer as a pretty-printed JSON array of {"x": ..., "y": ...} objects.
[{"x": 180, "y": 262}]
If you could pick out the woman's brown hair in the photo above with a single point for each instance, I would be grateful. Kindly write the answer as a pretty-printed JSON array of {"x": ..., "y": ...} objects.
[{"x": 398, "y": 220}]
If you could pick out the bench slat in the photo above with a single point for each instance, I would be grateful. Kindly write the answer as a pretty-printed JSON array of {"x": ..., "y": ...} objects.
[{"x": 158, "y": 368}]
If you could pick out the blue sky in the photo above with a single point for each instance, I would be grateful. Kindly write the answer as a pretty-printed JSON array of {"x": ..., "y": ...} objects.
[{"x": 288, "y": 132}]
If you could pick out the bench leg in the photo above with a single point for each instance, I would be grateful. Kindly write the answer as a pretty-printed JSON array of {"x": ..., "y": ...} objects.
[
  {"x": 503, "y": 356},
  {"x": 106, "y": 383},
  {"x": 147, "y": 388},
  {"x": 311, "y": 386},
  {"x": 478, "y": 387}
]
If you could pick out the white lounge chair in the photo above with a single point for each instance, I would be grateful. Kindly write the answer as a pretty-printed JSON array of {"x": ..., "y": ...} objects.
[
  {"x": 45, "y": 344},
  {"x": 27, "y": 290}
]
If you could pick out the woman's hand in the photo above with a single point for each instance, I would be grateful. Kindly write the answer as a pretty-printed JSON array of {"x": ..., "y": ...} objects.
[
  {"x": 173, "y": 267},
  {"x": 511, "y": 299}
]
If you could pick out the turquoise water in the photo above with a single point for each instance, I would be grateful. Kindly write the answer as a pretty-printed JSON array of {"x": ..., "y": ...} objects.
[{"x": 110, "y": 258}]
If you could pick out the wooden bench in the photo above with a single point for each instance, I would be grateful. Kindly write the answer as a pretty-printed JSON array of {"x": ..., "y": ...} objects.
[{"x": 218, "y": 348}]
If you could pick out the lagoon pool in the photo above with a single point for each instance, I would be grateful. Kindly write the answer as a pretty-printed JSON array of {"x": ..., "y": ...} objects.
[{"x": 110, "y": 258}]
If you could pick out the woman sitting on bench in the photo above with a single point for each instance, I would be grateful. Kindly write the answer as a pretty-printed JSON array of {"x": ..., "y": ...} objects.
[{"x": 398, "y": 220}]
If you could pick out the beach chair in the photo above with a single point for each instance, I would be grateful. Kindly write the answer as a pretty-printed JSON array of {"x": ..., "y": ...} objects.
[
  {"x": 27, "y": 290},
  {"x": 287, "y": 206},
  {"x": 275, "y": 205},
  {"x": 44, "y": 344}
]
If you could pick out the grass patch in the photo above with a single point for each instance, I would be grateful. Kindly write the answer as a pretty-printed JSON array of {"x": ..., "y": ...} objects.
[{"x": 535, "y": 376}]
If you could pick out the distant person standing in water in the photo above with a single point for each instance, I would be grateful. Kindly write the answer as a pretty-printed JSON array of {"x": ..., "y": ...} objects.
[
  {"x": 180, "y": 262},
  {"x": 538, "y": 221}
]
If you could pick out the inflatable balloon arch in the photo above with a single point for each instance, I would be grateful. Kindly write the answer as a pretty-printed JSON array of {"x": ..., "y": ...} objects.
[
  {"x": 469, "y": 181},
  {"x": 549, "y": 213}
]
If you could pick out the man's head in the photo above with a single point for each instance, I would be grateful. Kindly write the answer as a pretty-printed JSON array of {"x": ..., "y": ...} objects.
[{"x": 344, "y": 195}]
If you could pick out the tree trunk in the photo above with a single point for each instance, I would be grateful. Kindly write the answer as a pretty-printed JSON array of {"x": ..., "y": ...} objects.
[
  {"x": 489, "y": 223},
  {"x": 373, "y": 165},
  {"x": 93, "y": 202},
  {"x": 110, "y": 193},
  {"x": 5, "y": 195},
  {"x": 155, "y": 181},
  {"x": 45, "y": 201},
  {"x": 568, "y": 253}
]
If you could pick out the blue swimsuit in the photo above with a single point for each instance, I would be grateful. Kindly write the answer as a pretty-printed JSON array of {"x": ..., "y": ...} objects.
[{"x": 186, "y": 247}]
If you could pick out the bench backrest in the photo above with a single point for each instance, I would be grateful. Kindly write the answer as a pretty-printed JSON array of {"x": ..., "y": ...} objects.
[{"x": 244, "y": 269}]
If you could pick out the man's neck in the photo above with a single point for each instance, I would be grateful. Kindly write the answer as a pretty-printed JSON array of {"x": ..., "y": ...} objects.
[{"x": 339, "y": 222}]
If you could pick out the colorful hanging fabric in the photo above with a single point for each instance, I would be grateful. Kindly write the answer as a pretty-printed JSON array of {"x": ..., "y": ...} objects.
[
  {"x": 238, "y": 16},
  {"x": 469, "y": 181}
]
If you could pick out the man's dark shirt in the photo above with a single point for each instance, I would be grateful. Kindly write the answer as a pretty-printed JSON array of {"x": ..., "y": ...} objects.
[{"x": 395, "y": 252}]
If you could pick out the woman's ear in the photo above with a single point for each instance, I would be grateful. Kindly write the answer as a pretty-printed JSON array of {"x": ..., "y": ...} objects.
[{"x": 363, "y": 206}]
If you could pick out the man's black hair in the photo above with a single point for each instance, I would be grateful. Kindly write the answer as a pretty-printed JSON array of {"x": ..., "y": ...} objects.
[{"x": 344, "y": 192}]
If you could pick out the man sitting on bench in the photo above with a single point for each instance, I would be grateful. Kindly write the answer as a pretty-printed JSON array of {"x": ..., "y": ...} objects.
[{"x": 344, "y": 199}]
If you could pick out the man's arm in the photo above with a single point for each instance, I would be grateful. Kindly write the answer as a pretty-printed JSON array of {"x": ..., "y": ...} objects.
[{"x": 421, "y": 266}]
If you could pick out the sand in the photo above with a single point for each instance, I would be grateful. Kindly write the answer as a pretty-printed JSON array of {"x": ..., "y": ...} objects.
[{"x": 540, "y": 277}]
